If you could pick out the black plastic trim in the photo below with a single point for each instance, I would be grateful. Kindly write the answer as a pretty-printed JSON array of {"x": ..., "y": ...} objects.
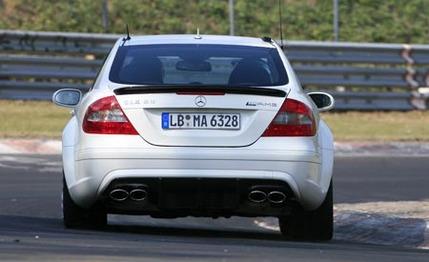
[{"x": 245, "y": 90}]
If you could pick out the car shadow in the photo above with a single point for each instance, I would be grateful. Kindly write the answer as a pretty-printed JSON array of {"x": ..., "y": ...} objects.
[
  {"x": 194, "y": 232},
  {"x": 350, "y": 228}
]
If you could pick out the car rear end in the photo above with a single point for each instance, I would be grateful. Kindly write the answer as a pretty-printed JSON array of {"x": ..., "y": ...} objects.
[{"x": 205, "y": 127}]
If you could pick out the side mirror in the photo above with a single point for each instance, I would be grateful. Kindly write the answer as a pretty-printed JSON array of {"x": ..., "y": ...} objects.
[
  {"x": 67, "y": 97},
  {"x": 323, "y": 101}
]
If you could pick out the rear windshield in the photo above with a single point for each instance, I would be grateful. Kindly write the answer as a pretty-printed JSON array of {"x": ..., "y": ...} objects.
[{"x": 191, "y": 64}]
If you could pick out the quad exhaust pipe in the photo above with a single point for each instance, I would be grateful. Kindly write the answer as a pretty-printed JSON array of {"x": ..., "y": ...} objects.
[
  {"x": 120, "y": 194},
  {"x": 257, "y": 196},
  {"x": 274, "y": 197},
  {"x": 138, "y": 194}
]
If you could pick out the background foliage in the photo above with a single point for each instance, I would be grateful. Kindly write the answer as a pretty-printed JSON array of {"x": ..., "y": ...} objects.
[{"x": 360, "y": 20}]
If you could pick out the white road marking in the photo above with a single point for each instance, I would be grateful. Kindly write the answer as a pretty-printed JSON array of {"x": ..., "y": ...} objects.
[{"x": 266, "y": 225}]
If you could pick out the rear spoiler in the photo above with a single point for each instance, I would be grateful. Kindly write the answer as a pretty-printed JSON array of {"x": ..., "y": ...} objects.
[{"x": 200, "y": 90}]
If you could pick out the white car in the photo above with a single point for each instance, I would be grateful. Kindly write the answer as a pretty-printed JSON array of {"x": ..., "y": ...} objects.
[{"x": 185, "y": 125}]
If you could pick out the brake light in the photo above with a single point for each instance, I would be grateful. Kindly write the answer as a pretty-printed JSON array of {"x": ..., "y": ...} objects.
[
  {"x": 105, "y": 116},
  {"x": 293, "y": 119}
]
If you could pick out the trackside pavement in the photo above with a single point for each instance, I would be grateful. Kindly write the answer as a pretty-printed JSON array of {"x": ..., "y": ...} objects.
[
  {"x": 49, "y": 147},
  {"x": 359, "y": 221}
]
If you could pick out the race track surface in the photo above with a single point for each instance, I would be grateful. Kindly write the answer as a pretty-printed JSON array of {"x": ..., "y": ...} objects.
[{"x": 31, "y": 226}]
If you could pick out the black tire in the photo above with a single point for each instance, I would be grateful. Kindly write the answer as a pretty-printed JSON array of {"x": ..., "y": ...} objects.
[
  {"x": 316, "y": 225},
  {"x": 77, "y": 217}
]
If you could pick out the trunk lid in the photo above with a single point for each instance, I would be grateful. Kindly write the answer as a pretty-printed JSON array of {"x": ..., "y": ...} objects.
[{"x": 145, "y": 108}]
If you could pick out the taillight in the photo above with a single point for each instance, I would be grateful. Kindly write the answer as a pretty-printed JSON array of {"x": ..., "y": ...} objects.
[
  {"x": 293, "y": 119},
  {"x": 105, "y": 116}
]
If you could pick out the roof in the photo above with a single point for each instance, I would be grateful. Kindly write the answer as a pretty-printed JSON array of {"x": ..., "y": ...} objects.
[{"x": 194, "y": 39}]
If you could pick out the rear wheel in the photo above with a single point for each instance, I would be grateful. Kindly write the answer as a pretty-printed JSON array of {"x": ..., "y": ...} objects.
[
  {"x": 77, "y": 217},
  {"x": 310, "y": 225}
]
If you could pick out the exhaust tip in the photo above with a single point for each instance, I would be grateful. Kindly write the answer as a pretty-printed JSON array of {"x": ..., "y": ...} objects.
[
  {"x": 138, "y": 194},
  {"x": 118, "y": 194},
  {"x": 257, "y": 196},
  {"x": 276, "y": 197}
]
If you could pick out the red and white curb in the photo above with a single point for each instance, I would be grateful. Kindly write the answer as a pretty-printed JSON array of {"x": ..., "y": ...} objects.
[
  {"x": 408, "y": 149},
  {"x": 400, "y": 223},
  {"x": 41, "y": 146},
  {"x": 30, "y": 146}
]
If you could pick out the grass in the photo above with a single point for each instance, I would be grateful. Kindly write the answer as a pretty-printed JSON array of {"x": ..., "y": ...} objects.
[
  {"x": 379, "y": 126},
  {"x": 31, "y": 119},
  {"x": 35, "y": 119}
]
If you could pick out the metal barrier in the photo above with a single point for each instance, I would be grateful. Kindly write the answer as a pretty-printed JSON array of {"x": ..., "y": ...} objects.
[{"x": 361, "y": 76}]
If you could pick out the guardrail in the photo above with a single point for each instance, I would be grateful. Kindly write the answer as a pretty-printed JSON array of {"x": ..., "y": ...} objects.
[{"x": 360, "y": 76}]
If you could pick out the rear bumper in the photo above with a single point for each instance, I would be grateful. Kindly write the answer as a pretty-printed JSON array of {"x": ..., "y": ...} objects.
[
  {"x": 94, "y": 169},
  {"x": 209, "y": 197}
]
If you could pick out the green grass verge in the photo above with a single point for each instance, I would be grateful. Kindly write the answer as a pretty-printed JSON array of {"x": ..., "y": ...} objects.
[
  {"x": 379, "y": 126},
  {"x": 32, "y": 119}
]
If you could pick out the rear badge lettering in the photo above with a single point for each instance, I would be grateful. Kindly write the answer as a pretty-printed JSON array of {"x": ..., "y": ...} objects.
[
  {"x": 263, "y": 104},
  {"x": 132, "y": 102}
]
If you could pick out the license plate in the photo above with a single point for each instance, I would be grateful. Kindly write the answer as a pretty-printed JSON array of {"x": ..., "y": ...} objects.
[{"x": 200, "y": 121}]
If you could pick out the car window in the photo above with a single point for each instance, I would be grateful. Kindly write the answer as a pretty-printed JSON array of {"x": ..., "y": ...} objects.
[{"x": 190, "y": 64}]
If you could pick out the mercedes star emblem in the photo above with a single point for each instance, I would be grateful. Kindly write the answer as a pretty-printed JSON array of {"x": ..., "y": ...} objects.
[{"x": 200, "y": 101}]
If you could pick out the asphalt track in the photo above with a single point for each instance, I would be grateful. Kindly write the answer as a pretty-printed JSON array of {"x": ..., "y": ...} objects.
[{"x": 31, "y": 226}]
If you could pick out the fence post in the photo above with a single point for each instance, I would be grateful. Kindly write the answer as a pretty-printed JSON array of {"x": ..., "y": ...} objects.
[
  {"x": 231, "y": 17},
  {"x": 335, "y": 21},
  {"x": 105, "y": 14},
  {"x": 417, "y": 100}
]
